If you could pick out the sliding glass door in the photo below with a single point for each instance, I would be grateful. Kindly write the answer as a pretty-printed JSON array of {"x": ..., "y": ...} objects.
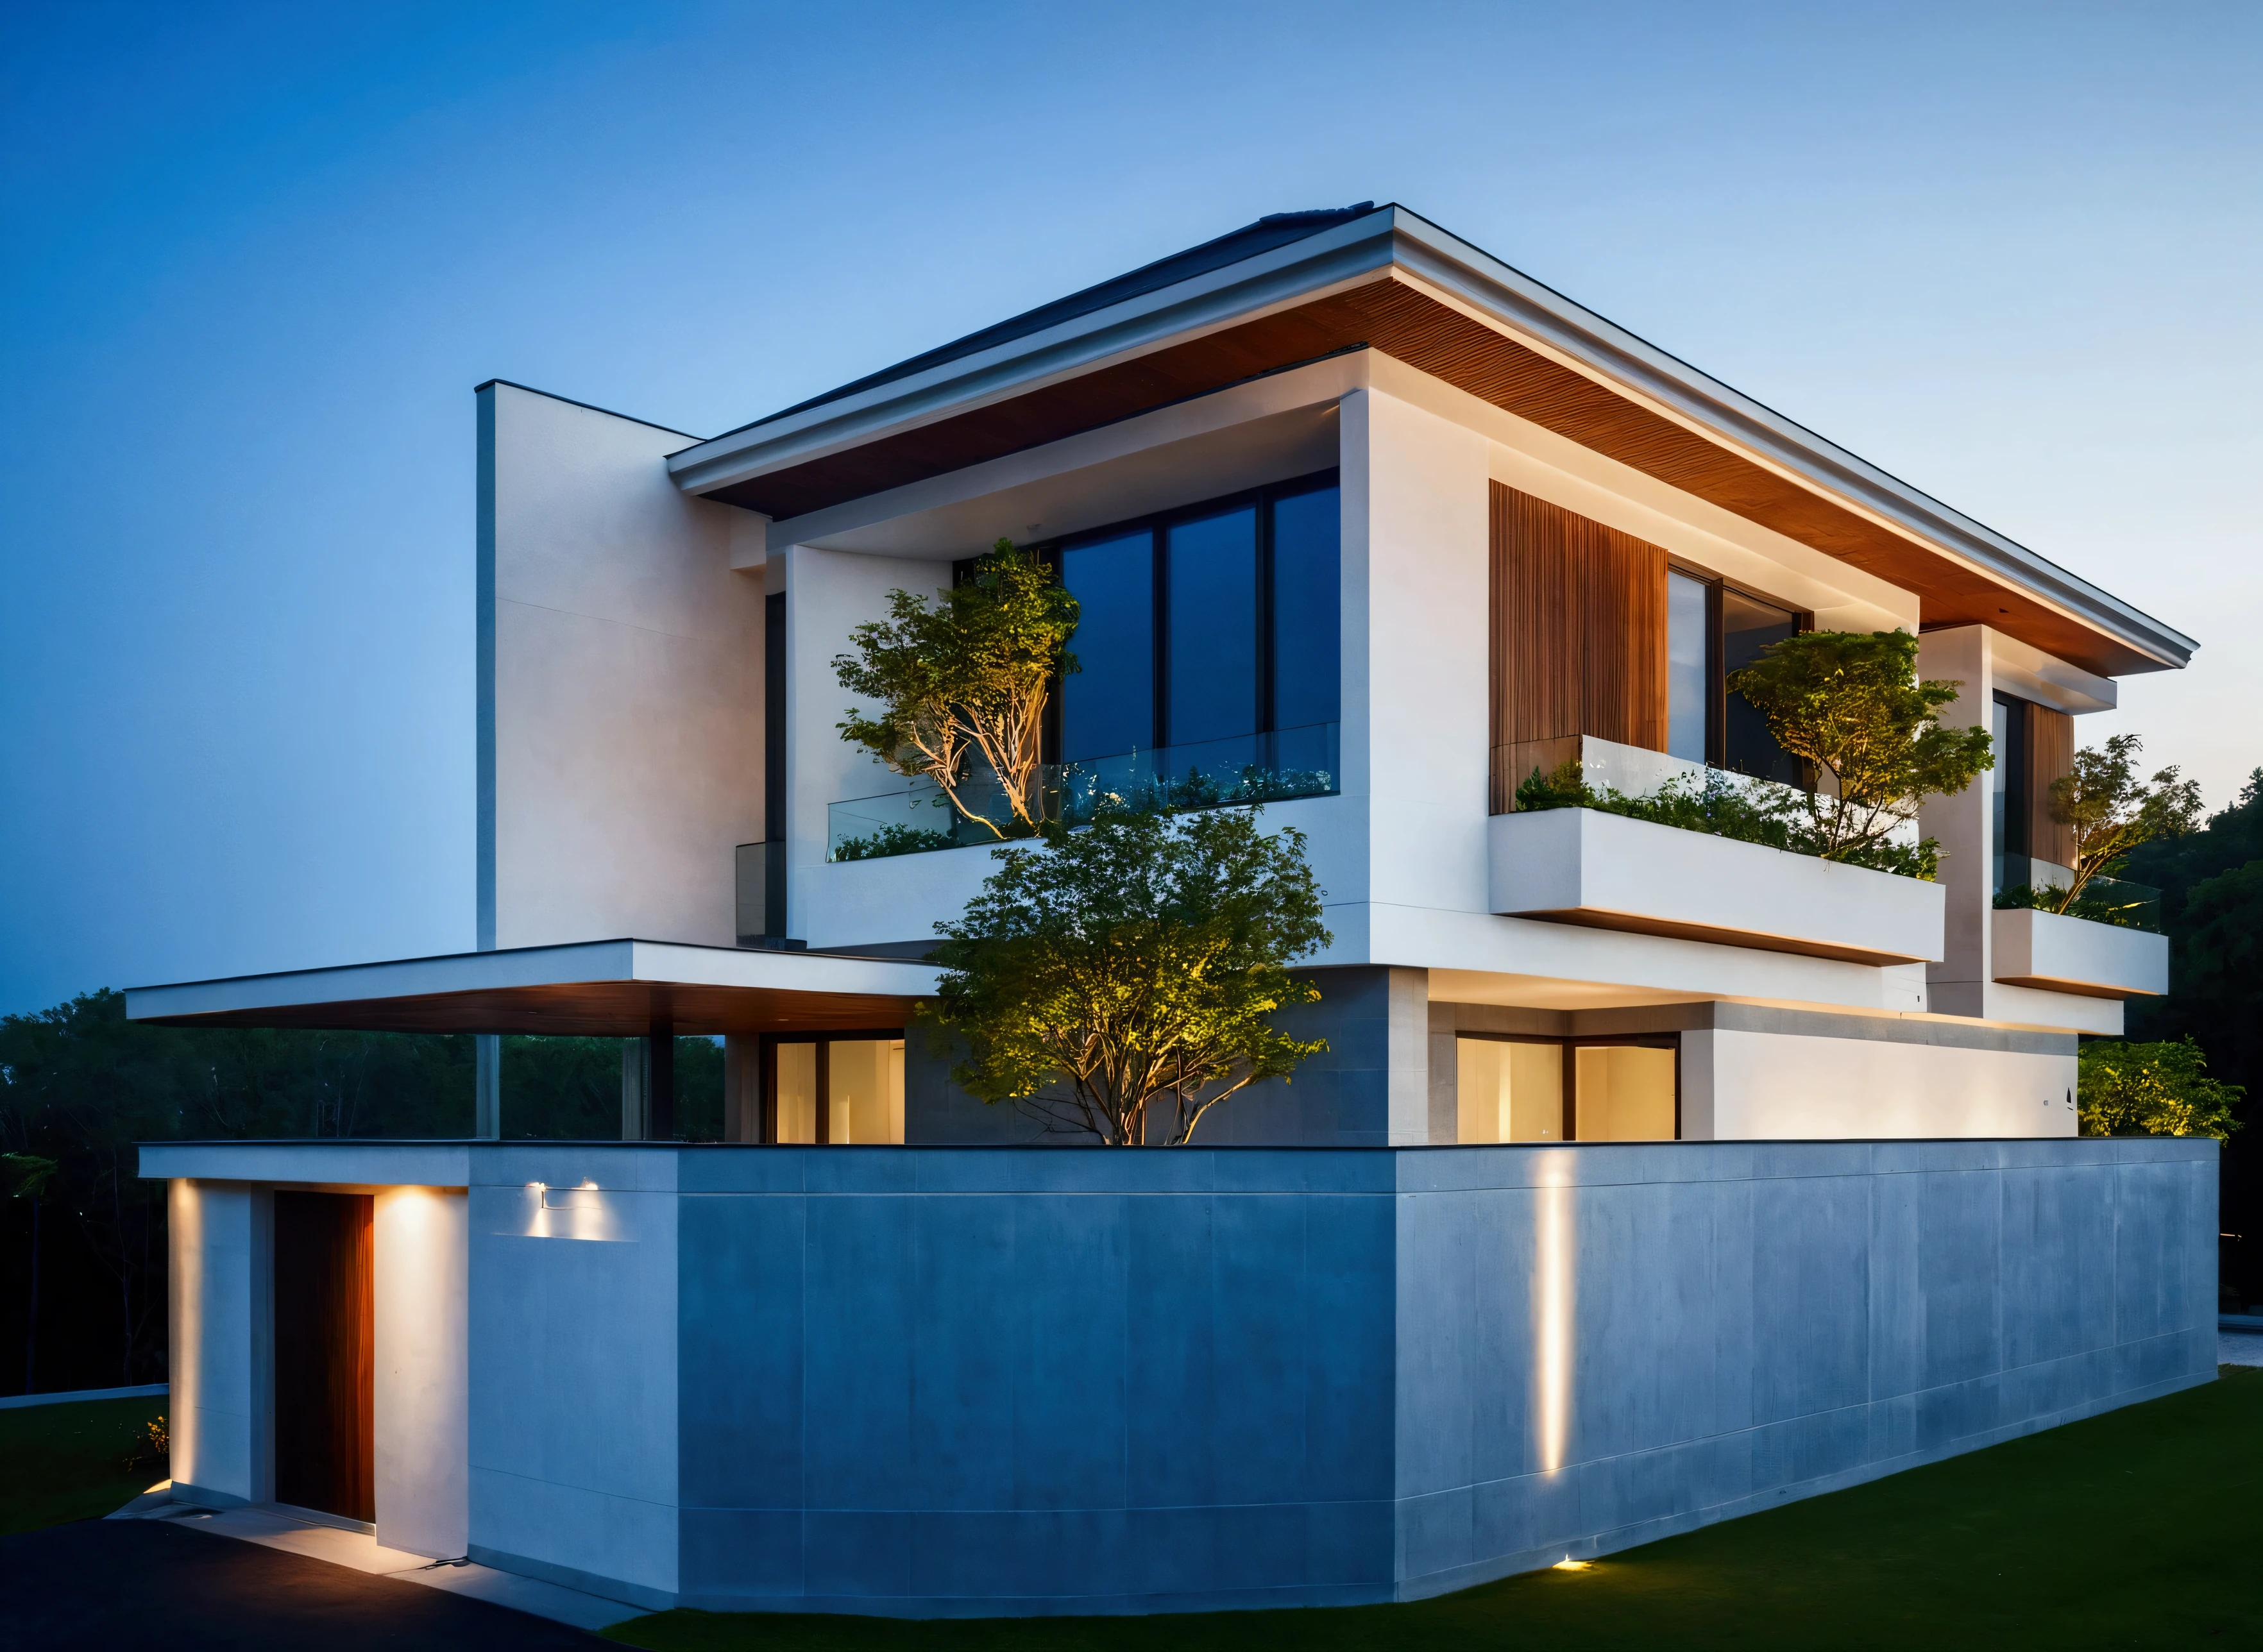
[
  {"x": 823, "y": 1090},
  {"x": 1516, "y": 1089}
]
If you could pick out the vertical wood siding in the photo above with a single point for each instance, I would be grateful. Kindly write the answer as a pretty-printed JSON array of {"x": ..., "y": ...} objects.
[
  {"x": 1578, "y": 639},
  {"x": 2050, "y": 756}
]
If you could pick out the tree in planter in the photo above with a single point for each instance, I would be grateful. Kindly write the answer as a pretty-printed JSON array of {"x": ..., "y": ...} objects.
[
  {"x": 1850, "y": 703},
  {"x": 2153, "y": 1090},
  {"x": 964, "y": 679},
  {"x": 2112, "y": 812},
  {"x": 1120, "y": 981}
]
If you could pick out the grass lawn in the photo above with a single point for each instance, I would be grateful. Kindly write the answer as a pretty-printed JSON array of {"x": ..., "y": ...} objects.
[
  {"x": 2140, "y": 1528},
  {"x": 68, "y": 1463}
]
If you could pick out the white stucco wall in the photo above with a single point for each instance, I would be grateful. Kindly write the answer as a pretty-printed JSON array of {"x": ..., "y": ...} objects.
[
  {"x": 419, "y": 1406},
  {"x": 620, "y": 703},
  {"x": 1739, "y": 1085},
  {"x": 221, "y": 1306}
]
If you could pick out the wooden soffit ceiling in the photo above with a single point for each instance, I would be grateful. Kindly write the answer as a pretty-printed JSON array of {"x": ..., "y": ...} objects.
[
  {"x": 1389, "y": 315},
  {"x": 589, "y": 1009}
]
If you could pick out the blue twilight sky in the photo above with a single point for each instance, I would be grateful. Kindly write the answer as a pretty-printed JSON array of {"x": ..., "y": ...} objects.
[{"x": 257, "y": 256}]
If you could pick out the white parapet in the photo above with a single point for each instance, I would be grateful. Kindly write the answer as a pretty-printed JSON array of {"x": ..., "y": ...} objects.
[
  {"x": 2060, "y": 954},
  {"x": 1580, "y": 866}
]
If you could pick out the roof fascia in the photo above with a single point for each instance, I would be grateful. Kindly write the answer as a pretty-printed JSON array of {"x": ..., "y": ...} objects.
[
  {"x": 1486, "y": 284},
  {"x": 1281, "y": 275},
  {"x": 576, "y": 964}
]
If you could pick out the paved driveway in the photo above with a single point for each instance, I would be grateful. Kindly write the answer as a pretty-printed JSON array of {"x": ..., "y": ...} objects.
[{"x": 126, "y": 1584}]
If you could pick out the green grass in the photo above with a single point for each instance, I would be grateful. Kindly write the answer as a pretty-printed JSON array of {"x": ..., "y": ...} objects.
[
  {"x": 2140, "y": 1528},
  {"x": 68, "y": 1463}
]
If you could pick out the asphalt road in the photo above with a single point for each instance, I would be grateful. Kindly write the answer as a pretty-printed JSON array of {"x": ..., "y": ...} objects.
[{"x": 124, "y": 1583}]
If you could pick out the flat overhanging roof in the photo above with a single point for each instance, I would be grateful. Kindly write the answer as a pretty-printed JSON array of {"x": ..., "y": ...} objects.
[
  {"x": 1296, "y": 290},
  {"x": 605, "y": 989}
]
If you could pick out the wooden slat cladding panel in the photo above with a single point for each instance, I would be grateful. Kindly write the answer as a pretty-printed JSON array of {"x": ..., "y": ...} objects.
[
  {"x": 1577, "y": 632},
  {"x": 1389, "y": 315},
  {"x": 2050, "y": 756}
]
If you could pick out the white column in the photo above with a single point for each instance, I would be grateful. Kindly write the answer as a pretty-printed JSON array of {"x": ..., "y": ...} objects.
[
  {"x": 422, "y": 1395},
  {"x": 221, "y": 1367},
  {"x": 1958, "y": 984}
]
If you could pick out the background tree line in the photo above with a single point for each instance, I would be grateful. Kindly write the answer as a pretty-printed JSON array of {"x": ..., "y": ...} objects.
[
  {"x": 80, "y": 1085},
  {"x": 2211, "y": 884}
]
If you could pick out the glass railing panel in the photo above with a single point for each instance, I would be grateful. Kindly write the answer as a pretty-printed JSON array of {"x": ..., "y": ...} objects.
[{"x": 1270, "y": 768}]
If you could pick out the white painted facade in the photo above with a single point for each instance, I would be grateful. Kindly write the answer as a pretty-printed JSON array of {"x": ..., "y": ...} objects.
[{"x": 624, "y": 732}]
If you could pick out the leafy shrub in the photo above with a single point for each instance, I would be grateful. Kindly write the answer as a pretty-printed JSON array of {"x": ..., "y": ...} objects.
[
  {"x": 2153, "y": 1090},
  {"x": 1719, "y": 805},
  {"x": 2098, "y": 909}
]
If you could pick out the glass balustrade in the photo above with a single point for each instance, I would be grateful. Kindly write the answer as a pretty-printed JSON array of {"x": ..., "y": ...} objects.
[{"x": 916, "y": 816}]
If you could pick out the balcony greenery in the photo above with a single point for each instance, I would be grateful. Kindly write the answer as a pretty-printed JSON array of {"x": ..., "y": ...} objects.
[
  {"x": 961, "y": 687},
  {"x": 2104, "y": 901},
  {"x": 1850, "y": 706}
]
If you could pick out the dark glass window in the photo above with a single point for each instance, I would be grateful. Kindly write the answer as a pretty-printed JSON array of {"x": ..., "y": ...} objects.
[
  {"x": 1210, "y": 651},
  {"x": 1219, "y": 622},
  {"x": 1688, "y": 666},
  {"x": 2007, "y": 794},
  {"x": 1748, "y": 626},
  {"x": 1307, "y": 608},
  {"x": 1109, "y": 705},
  {"x": 1712, "y": 630}
]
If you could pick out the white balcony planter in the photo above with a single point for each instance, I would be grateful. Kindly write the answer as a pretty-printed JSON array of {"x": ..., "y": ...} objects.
[
  {"x": 2075, "y": 954},
  {"x": 1578, "y": 866},
  {"x": 891, "y": 900}
]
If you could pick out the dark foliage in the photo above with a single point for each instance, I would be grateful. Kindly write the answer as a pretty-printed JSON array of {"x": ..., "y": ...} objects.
[{"x": 2211, "y": 884}]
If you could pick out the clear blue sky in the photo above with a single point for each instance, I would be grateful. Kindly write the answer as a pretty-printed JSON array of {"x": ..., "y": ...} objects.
[{"x": 259, "y": 254}]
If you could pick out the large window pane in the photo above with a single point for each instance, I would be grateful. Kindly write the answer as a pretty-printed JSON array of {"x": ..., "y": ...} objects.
[
  {"x": 865, "y": 1086},
  {"x": 1211, "y": 651},
  {"x": 1625, "y": 1093},
  {"x": 1307, "y": 625},
  {"x": 1689, "y": 684},
  {"x": 1748, "y": 626},
  {"x": 1508, "y": 1092},
  {"x": 797, "y": 1092},
  {"x": 1109, "y": 706}
]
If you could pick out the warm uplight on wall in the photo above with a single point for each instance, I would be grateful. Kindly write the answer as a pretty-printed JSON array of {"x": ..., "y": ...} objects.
[
  {"x": 1567, "y": 1564},
  {"x": 1552, "y": 1307}
]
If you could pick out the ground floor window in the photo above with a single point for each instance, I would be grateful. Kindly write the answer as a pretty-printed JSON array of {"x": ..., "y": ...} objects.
[
  {"x": 1518, "y": 1089},
  {"x": 823, "y": 1089}
]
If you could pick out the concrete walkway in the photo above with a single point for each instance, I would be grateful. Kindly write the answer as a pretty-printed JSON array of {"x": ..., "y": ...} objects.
[
  {"x": 105, "y": 1584},
  {"x": 2240, "y": 1347},
  {"x": 362, "y": 1553}
]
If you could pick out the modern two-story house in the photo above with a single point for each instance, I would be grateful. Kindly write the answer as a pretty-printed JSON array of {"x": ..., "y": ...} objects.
[{"x": 1649, "y": 1176}]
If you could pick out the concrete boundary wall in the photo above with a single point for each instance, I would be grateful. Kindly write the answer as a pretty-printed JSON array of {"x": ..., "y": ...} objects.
[{"x": 973, "y": 1382}]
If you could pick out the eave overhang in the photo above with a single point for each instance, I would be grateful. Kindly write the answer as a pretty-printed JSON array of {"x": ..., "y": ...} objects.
[
  {"x": 606, "y": 989},
  {"x": 1391, "y": 281}
]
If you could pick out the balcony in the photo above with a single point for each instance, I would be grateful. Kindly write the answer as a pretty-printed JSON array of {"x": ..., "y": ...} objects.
[
  {"x": 915, "y": 817},
  {"x": 2063, "y": 954},
  {"x": 1604, "y": 871}
]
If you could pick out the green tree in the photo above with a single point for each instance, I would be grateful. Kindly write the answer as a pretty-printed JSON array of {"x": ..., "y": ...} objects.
[
  {"x": 1120, "y": 980},
  {"x": 1850, "y": 703},
  {"x": 967, "y": 678},
  {"x": 2111, "y": 811},
  {"x": 2153, "y": 1090}
]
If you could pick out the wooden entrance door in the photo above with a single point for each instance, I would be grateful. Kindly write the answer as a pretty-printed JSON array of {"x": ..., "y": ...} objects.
[{"x": 325, "y": 1354}]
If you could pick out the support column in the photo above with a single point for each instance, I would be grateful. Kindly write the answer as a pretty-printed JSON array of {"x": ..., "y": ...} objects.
[
  {"x": 659, "y": 1095},
  {"x": 636, "y": 1086},
  {"x": 743, "y": 1097},
  {"x": 486, "y": 1104}
]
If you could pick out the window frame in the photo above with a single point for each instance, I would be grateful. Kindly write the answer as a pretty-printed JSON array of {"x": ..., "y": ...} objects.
[
  {"x": 1717, "y": 684},
  {"x": 767, "y": 1068},
  {"x": 1156, "y": 525},
  {"x": 1572, "y": 1043}
]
